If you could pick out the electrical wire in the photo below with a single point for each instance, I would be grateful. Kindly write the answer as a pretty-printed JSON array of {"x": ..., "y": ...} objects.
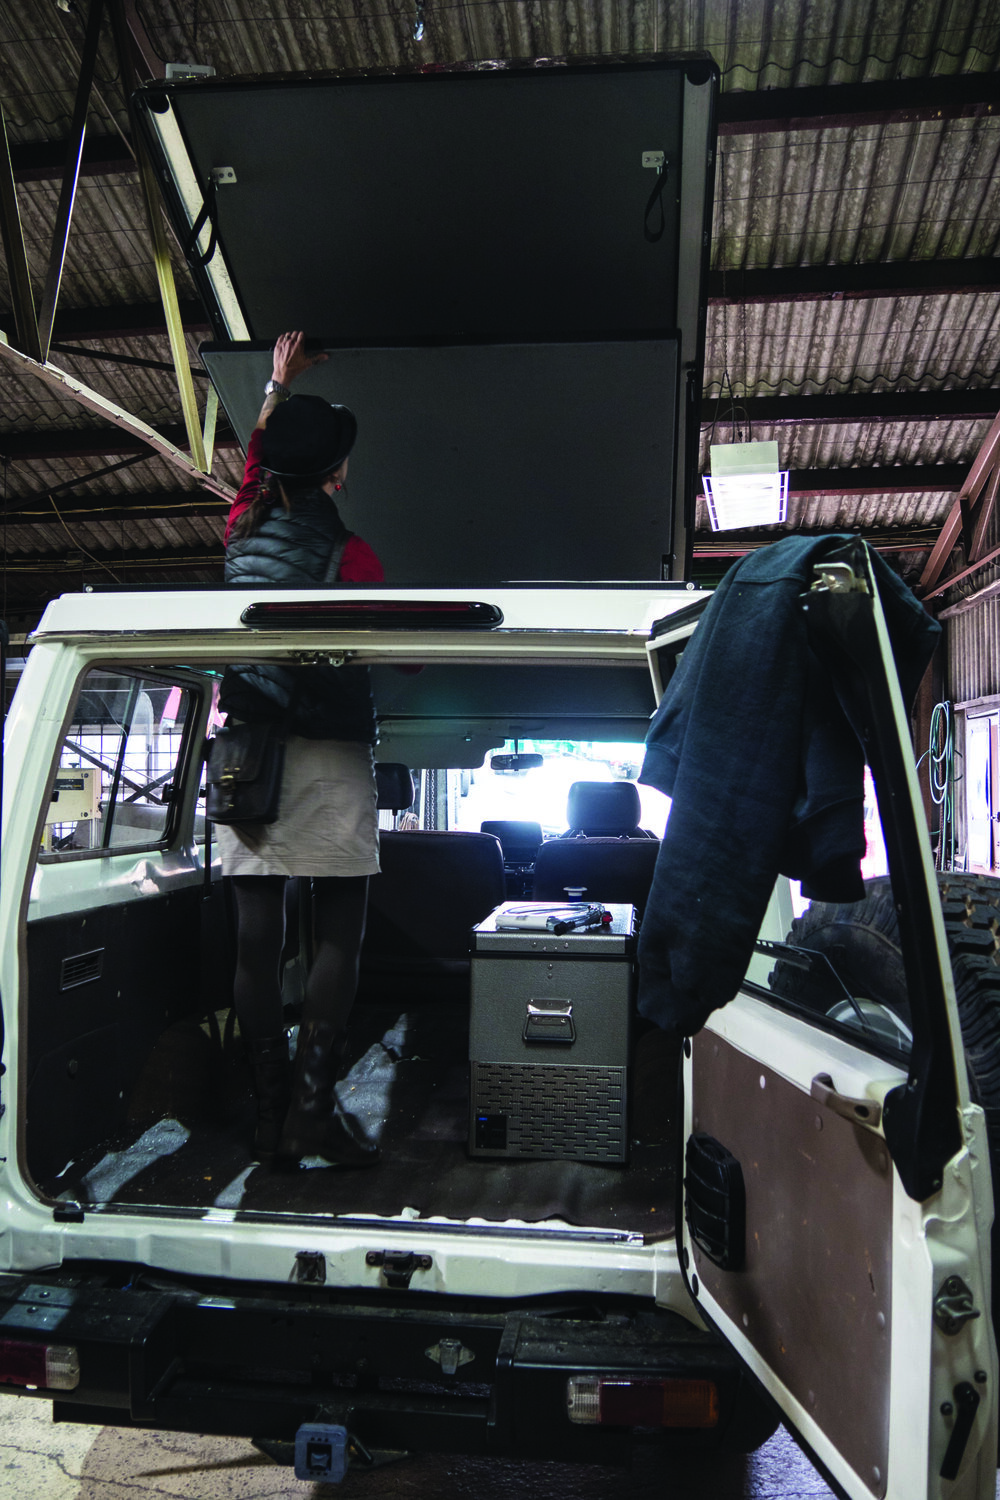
[{"x": 78, "y": 546}]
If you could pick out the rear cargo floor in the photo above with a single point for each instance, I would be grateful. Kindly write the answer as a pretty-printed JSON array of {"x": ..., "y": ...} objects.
[{"x": 409, "y": 1086}]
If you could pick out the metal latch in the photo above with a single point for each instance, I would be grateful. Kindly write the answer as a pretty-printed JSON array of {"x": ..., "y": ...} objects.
[
  {"x": 398, "y": 1266},
  {"x": 322, "y": 658},
  {"x": 449, "y": 1354},
  {"x": 860, "y": 1111},
  {"x": 310, "y": 1266},
  {"x": 953, "y": 1306},
  {"x": 838, "y": 578}
]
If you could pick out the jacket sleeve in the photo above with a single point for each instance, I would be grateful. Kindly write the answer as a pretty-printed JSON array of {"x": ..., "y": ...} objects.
[
  {"x": 359, "y": 564},
  {"x": 252, "y": 476}
]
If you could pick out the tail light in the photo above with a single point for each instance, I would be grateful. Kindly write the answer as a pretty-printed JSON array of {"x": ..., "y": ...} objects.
[
  {"x": 617, "y": 1402},
  {"x": 53, "y": 1367},
  {"x": 374, "y": 614}
]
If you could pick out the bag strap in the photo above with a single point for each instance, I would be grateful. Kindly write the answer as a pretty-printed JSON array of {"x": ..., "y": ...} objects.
[{"x": 336, "y": 558}]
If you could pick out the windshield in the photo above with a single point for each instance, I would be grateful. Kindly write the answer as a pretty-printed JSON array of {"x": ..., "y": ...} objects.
[{"x": 540, "y": 794}]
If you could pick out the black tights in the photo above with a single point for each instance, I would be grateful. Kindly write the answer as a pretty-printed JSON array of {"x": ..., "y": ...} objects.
[{"x": 338, "y": 907}]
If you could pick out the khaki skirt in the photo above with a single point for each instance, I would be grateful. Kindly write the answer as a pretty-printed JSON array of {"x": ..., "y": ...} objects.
[{"x": 327, "y": 821}]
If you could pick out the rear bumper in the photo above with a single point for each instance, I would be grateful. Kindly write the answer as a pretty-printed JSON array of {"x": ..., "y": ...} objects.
[{"x": 403, "y": 1373}]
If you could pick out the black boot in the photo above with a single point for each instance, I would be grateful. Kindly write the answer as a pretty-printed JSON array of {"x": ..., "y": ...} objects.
[
  {"x": 315, "y": 1124},
  {"x": 272, "y": 1084}
]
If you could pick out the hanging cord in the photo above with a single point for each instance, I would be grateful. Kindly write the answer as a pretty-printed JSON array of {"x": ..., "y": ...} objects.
[
  {"x": 655, "y": 200},
  {"x": 79, "y": 547},
  {"x": 940, "y": 757}
]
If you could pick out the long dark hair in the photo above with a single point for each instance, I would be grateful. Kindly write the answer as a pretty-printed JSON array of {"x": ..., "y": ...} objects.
[{"x": 270, "y": 493}]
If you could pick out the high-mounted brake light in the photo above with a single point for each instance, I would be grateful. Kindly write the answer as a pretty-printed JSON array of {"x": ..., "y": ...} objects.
[
  {"x": 643, "y": 1402},
  {"x": 374, "y": 614},
  {"x": 53, "y": 1367}
]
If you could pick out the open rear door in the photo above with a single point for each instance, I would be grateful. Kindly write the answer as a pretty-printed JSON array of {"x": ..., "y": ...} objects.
[{"x": 837, "y": 1195}]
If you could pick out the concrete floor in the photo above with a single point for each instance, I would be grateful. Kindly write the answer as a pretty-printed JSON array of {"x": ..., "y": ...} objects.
[{"x": 67, "y": 1462}]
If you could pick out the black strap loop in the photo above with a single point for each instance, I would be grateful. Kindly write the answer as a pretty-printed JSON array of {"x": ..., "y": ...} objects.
[
  {"x": 656, "y": 198},
  {"x": 192, "y": 254}
]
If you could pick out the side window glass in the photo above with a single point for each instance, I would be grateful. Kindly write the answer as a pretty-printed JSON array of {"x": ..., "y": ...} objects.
[
  {"x": 118, "y": 763},
  {"x": 841, "y": 962}
]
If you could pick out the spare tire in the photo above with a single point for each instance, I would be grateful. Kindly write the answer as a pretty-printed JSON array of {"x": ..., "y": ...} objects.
[{"x": 861, "y": 940}]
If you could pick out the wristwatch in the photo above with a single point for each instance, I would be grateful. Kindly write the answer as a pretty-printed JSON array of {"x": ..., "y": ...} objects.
[{"x": 275, "y": 388}]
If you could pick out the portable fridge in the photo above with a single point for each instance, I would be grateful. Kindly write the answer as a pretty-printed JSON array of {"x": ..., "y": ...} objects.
[{"x": 549, "y": 1038}]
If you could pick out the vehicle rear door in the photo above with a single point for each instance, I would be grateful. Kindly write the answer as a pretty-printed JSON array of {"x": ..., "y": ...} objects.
[{"x": 837, "y": 1197}]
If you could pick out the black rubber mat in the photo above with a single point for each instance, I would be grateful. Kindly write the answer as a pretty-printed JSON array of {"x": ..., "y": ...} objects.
[{"x": 409, "y": 1086}]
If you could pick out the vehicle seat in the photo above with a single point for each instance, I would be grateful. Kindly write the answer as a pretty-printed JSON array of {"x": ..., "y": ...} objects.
[
  {"x": 604, "y": 809},
  {"x": 394, "y": 786},
  {"x": 520, "y": 843},
  {"x": 433, "y": 889},
  {"x": 608, "y": 869}
]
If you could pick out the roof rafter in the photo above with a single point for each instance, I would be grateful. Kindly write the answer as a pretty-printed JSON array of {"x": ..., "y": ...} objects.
[
  {"x": 94, "y": 442},
  {"x": 133, "y": 427},
  {"x": 899, "y": 406},
  {"x": 829, "y": 106},
  {"x": 152, "y": 505},
  {"x": 889, "y": 278}
]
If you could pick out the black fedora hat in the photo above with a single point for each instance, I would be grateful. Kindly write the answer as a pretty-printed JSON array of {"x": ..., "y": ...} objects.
[{"x": 306, "y": 437}]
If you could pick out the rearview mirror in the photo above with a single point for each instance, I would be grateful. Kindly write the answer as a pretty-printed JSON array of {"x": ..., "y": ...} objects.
[{"x": 516, "y": 762}]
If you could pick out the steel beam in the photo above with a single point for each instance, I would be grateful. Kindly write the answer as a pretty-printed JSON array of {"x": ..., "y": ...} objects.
[
  {"x": 153, "y": 64},
  {"x": 45, "y": 161},
  {"x": 884, "y": 538},
  {"x": 161, "y": 253},
  {"x": 104, "y": 356},
  {"x": 890, "y": 278},
  {"x": 92, "y": 442},
  {"x": 829, "y": 106},
  {"x": 25, "y": 321},
  {"x": 967, "y": 572},
  {"x": 986, "y": 509},
  {"x": 974, "y": 483},
  {"x": 71, "y": 176},
  {"x": 172, "y": 560},
  {"x": 887, "y": 479},
  {"x": 131, "y": 426},
  {"x": 888, "y": 406},
  {"x": 140, "y": 320}
]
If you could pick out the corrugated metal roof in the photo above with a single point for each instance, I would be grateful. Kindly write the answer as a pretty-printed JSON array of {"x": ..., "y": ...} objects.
[
  {"x": 894, "y": 191},
  {"x": 864, "y": 344}
]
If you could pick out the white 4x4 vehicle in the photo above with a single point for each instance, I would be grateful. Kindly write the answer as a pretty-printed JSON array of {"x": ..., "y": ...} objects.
[{"x": 829, "y": 1233}]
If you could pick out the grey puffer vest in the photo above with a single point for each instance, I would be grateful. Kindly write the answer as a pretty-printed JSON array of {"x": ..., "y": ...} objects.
[{"x": 295, "y": 548}]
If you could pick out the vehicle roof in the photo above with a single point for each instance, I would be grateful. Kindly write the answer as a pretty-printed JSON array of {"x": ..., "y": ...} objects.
[{"x": 594, "y": 608}]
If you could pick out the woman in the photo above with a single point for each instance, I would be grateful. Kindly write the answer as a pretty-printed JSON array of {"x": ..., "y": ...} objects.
[{"x": 285, "y": 528}]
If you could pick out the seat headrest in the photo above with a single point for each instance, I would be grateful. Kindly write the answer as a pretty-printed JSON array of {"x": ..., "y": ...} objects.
[
  {"x": 394, "y": 786},
  {"x": 603, "y": 807}
]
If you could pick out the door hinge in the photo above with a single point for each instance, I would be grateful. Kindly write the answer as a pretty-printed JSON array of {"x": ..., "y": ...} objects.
[
  {"x": 954, "y": 1306},
  {"x": 398, "y": 1266}
]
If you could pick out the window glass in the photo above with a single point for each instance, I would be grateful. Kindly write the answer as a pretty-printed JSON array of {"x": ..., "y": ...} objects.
[
  {"x": 841, "y": 961},
  {"x": 118, "y": 763}
]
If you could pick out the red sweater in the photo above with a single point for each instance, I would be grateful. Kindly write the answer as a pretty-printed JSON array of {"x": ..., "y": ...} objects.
[{"x": 359, "y": 563}]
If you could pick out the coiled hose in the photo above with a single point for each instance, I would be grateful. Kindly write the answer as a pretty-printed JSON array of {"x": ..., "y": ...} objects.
[{"x": 940, "y": 756}]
